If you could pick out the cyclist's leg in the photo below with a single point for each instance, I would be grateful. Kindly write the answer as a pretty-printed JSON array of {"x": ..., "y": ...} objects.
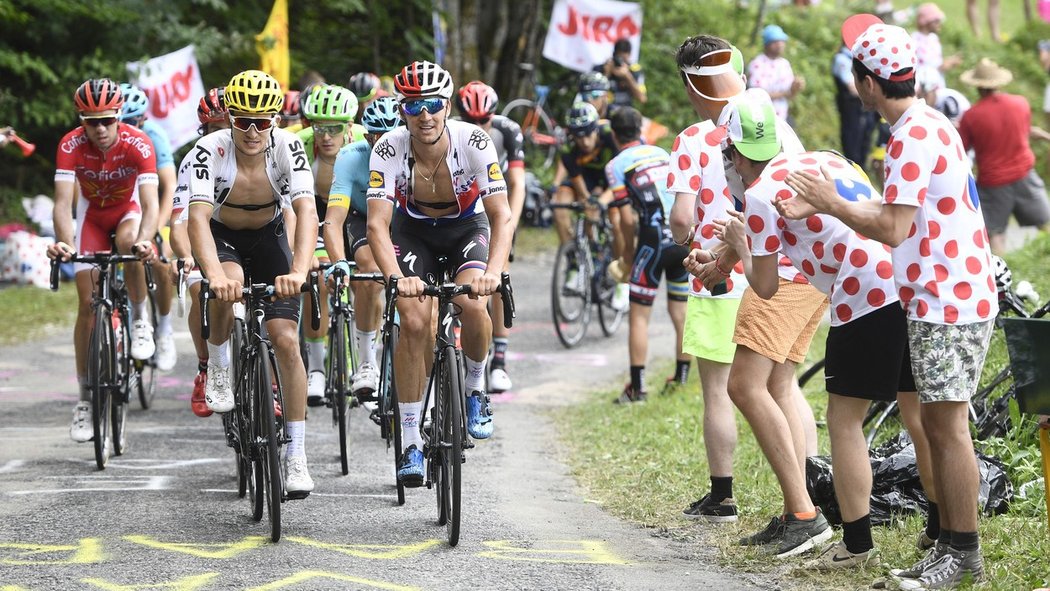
[
  {"x": 142, "y": 345},
  {"x": 200, "y": 346},
  {"x": 645, "y": 278},
  {"x": 468, "y": 255},
  {"x": 219, "y": 390},
  {"x": 165, "y": 295},
  {"x": 677, "y": 298},
  {"x": 564, "y": 194},
  {"x": 316, "y": 339},
  {"x": 368, "y": 305}
]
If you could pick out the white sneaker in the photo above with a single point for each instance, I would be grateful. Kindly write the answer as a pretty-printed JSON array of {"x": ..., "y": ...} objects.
[
  {"x": 315, "y": 388},
  {"x": 499, "y": 381},
  {"x": 621, "y": 300},
  {"x": 81, "y": 430},
  {"x": 142, "y": 345},
  {"x": 297, "y": 481},
  {"x": 574, "y": 281},
  {"x": 166, "y": 354},
  {"x": 366, "y": 378},
  {"x": 218, "y": 394}
]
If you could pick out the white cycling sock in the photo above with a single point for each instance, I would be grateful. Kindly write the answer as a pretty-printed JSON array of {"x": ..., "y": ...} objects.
[
  {"x": 366, "y": 345},
  {"x": 475, "y": 374},
  {"x": 163, "y": 324},
  {"x": 411, "y": 415},
  {"x": 315, "y": 348},
  {"x": 297, "y": 437},
  {"x": 220, "y": 353}
]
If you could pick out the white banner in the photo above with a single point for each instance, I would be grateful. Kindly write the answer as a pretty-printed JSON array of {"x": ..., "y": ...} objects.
[
  {"x": 173, "y": 84},
  {"x": 582, "y": 32}
]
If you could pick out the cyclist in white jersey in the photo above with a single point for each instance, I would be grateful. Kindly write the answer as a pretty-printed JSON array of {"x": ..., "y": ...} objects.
[
  {"x": 239, "y": 180},
  {"x": 443, "y": 175}
]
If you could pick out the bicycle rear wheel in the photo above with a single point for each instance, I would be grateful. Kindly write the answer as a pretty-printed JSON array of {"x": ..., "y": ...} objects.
[
  {"x": 609, "y": 318},
  {"x": 449, "y": 427},
  {"x": 571, "y": 294},
  {"x": 882, "y": 423},
  {"x": 540, "y": 135},
  {"x": 388, "y": 409},
  {"x": 812, "y": 372},
  {"x": 145, "y": 384},
  {"x": 100, "y": 376},
  {"x": 273, "y": 482}
]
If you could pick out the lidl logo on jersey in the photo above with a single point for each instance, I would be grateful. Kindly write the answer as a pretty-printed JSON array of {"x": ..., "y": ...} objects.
[
  {"x": 375, "y": 179},
  {"x": 495, "y": 174}
]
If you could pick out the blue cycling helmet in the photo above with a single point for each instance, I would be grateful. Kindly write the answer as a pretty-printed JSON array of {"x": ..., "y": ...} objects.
[
  {"x": 381, "y": 115},
  {"x": 136, "y": 103},
  {"x": 582, "y": 119}
]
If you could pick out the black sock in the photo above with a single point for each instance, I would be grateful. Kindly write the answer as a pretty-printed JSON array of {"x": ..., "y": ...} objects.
[
  {"x": 933, "y": 522},
  {"x": 945, "y": 537},
  {"x": 499, "y": 352},
  {"x": 721, "y": 488},
  {"x": 965, "y": 541},
  {"x": 681, "y": 372},
  {"x": 202, "y": 365},
  {"x": 857, "y": 535},
  {"x": 638, "y": 378}
]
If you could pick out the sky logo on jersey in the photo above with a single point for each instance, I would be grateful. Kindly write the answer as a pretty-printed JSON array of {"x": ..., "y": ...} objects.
[
  {"x": 495, "y": 174},
  {"x": 375, "y": 179},
  {"x": 853, "y": 190}
]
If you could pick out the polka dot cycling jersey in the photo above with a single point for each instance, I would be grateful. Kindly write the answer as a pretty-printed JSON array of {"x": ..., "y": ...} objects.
[
  {"x": 107, "y": 179},
  {"x": 855, "y": 272},
  {"x": 697, "y": 168},
  {"x": 471, "y": 158},
  {"x": 943, "y": 268}
]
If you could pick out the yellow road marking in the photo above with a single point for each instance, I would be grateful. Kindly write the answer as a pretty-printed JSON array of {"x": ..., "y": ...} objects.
[
  {"x": 190, "y": 583},
  {"x": 86, "y": 551},
  {"x": 202, "y": 550},
  {"x": 377, "y": 551},
  {"x": 295, "y": 581},
  {"x": 558, "y": 551}
]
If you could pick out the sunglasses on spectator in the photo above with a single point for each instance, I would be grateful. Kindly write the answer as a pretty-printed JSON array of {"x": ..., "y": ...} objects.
[
  {"x": 261, "y": 124},
  {"x": 104, "y": 120},
  {"x": 332, "y": 129},
  {"x": 417, "y": 106},
  {"x": 594, "y": 94},
  {"x": 713, "y": 76}
]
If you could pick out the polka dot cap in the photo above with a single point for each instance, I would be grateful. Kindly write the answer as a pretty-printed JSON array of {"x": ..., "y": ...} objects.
[{"x": 886, "y": 50}]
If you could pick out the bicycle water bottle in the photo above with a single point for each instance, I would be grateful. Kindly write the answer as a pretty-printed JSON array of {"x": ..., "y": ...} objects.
[{"x": 118, "y": 334}]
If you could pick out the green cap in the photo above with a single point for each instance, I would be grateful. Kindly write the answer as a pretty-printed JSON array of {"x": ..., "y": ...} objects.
[{"x": 752, "y": 126}]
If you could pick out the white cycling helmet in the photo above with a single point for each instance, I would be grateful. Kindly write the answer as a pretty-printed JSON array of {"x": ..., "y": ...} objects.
[{"x": 422, "y": 79}]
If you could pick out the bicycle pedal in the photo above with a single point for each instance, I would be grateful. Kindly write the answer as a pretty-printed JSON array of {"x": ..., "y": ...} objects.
[
  {"x": 295, "y": 496},
  {"x": 468, "y": 444}
]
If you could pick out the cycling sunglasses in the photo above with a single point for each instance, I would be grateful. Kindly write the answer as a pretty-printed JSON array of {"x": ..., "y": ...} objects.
[
  {"x": 261, "y": 124},
  {"x": 594, "y": 94},
  {"x": 105, "y": 120},
  {"x": 714, "y": 76},
  {"x": 417, "y": 106},
  {"x": 332, "y": 129}
]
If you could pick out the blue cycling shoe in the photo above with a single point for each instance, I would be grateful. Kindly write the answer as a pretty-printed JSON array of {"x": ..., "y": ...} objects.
[
  {"x": 479, "y": 415},
  {"x": 410, "y": 472}
]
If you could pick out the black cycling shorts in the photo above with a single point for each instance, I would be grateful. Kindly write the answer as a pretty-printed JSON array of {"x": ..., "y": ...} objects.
[
  {"x": 419, "y": 243},
  {"x": 355, "y": 232},
  {"x": 869, "y": 357},
  {"x": 264, "y": 255},
  {"x": 655, "y": 256}
]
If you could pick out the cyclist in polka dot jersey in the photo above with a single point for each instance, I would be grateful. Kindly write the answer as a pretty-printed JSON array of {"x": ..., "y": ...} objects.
[
  {"x": 930, "y": 215},
  {"x": 867, "y": 346}
]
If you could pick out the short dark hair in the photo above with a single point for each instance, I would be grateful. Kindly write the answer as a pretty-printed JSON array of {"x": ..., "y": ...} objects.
[
  {"x": 891, "y": 90},
  {"x": 694, "y": 48},
  {"x": 622, "y": 45},
  {"x": 626, "y": 123}
]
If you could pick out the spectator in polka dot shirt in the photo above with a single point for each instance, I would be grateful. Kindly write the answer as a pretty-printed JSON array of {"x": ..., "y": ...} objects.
[
  {"x": 772, "y": 72},
  {"x": 931, "y": 217},
  {"x": 867, "y": 346},
  {"x": 726, "y": 324}
]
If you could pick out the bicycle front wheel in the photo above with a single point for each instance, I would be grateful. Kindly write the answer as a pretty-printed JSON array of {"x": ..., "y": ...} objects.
[
  {"x": 388, "y": 409},
  {"x": 571, "y": 294},
  {"x": 539, "y": 133},
  {"x": 339, "y": 386},
  {"x": 145, "y": 384},
  {"x": 100, "y": 377},
  {"x": 448, "y": 430},
  {"x": 120, "y": 397},
  {"x": 273, "y": 481}
]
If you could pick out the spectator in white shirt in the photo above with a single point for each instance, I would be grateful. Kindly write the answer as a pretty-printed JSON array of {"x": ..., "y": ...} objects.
[{"x": 771, "y": 72}]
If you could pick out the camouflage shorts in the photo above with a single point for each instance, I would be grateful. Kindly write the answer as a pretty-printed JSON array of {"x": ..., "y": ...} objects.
[{"x": 947, "y": 359}]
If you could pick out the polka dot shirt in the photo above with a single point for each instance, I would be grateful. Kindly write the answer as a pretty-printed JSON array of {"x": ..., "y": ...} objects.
[
  {"x": 943, "y": 268},
  {"x": 856, "y": 273},
  {"x": 773, "y": 75},
  {"x": 697, "y": 168}
]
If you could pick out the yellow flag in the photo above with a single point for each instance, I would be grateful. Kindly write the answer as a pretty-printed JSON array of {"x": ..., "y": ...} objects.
[{"x": 272, "y": 44}]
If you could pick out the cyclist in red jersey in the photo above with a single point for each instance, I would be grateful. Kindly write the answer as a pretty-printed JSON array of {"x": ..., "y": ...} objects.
[{"x": 116, "y": 169}]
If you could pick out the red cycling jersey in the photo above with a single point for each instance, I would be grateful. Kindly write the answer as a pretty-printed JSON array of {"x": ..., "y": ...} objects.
[{"x": 108, "y": 181}]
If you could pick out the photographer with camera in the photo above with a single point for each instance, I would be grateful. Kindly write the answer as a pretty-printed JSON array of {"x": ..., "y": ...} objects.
[{"x": 628, "y": 80}]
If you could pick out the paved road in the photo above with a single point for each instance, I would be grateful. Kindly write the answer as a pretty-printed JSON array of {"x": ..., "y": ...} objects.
[{"x": 165, "y": 516}]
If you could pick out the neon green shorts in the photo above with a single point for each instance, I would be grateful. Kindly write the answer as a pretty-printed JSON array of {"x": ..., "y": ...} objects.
[{"x": 709, "y": 324}]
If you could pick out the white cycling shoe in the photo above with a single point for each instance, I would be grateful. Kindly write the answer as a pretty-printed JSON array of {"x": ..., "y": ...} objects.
[
  {"x": 166, "y": 354},
  {"x": 81, "y": 430},
  {"x": 499, "y": 381},
  {"x": 142, "y": 345},
  {"x": 315, "y": 386},
  {"x": 297, "y": 481},
  {"x": 218, "y": 394},
  {"x": 365, "y": 378}
]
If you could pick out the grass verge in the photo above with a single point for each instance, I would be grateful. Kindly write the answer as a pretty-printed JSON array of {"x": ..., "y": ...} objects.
[
  {"x": 646, "y": 463},
  {"x": 30, "y": 312}
]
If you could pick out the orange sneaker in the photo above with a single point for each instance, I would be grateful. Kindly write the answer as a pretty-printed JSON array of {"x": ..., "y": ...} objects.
[{"x": 197, "y": 402}]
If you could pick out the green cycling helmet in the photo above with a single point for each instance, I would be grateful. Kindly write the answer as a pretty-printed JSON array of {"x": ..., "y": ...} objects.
[{"x": 330, "y": 103}]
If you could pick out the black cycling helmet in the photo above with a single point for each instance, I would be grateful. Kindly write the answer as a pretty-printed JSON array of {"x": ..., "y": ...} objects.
[
  {"x": 582, "y": 119},
  {"x": 592, "y": 81}
]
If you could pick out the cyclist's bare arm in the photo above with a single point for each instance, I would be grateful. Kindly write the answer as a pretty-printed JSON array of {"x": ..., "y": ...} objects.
[
  {"x": 380, "y": 211},
  {"x": 334, "y": 218},
  {"x": 560, "y": 173},
  {"x": 502, "y": 228},
  {"x": 62, "y": 217},
  {"x": 167, "y": 193},
  {"x": 148, "y": 201},
  {"x": 203, "y": 245},
  {"x": 515, "y": 194}
]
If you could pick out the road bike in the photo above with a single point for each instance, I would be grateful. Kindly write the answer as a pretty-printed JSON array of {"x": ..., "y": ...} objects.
[
  {"x": 581, "y": 278},
  {"x": 541, "y": 133},
  {"x": 111, "y": 370},
  {"x": 445, "y": 436},
  {"x": 255, "y": 428}
]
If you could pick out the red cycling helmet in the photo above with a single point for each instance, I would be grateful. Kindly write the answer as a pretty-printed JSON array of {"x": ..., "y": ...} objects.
[
  {"x": 477, "y": 101},
  {"x": 212, "y": 108},
  {"x": 98, "y": 94},
  {"x": 291, "y": 105},
  {"x": 422, "y": 79}
]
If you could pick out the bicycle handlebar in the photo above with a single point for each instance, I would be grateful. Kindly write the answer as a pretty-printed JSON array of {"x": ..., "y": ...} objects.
[
  {"x": 256, "y": 291},
  {"x": 101, "y": 258},
  {"x": 451, "y": 290}
]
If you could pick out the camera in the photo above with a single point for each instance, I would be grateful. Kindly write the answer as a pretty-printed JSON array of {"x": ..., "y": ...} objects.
[{"x": 617, "y": 61}]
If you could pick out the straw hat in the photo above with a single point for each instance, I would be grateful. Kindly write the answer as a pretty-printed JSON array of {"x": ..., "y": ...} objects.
[{"x": 987, "y": 74}]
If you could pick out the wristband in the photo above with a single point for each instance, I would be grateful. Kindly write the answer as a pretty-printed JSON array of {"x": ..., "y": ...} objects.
[
  {"x": 719, "y": 268},
  {"x": 688, "y": 237}
]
